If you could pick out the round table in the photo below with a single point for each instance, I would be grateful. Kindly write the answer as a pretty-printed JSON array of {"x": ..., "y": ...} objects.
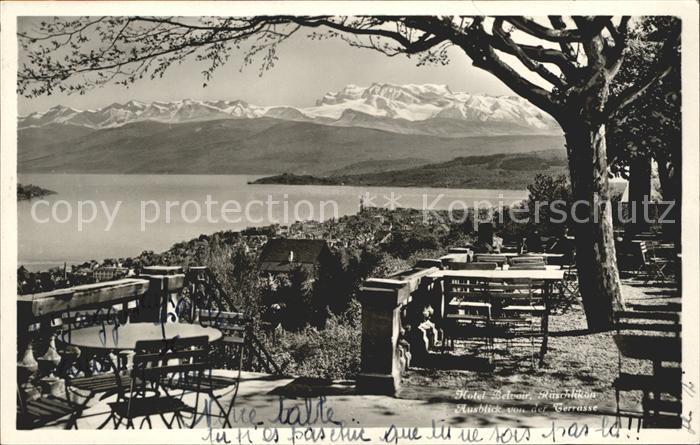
[{"x": 124, "y": 337}]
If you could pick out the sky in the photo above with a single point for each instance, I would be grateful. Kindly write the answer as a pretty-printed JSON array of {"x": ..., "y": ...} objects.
[{"x": 306, "y": 70}]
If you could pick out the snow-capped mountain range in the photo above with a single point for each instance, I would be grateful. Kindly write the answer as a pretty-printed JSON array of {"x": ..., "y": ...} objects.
[{"x": 408, "y": 109}]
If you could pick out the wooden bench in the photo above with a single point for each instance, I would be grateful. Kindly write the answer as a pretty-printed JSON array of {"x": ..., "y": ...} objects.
[
  {"x": 453, "y": 265},
  {"x": 500, "y": 260},
  {"x": 527, "y": 259},
  {"x": 528, "y": 266}
]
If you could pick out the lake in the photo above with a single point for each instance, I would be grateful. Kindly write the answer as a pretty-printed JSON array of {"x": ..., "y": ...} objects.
[{"x": 112, "y": 216}]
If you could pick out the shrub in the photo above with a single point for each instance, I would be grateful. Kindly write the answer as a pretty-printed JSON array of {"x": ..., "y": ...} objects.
[
  {"x": 545, "y": 190},
  {"x": 331, "y": 353},
  {"x": 387, "y": 265},
  {"x": 405, "y": 242},
  {"x": 508, "y": 226}
]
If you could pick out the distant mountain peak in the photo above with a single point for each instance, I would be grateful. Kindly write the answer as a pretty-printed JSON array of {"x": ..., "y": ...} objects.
[{"x": 380, "y": 105}]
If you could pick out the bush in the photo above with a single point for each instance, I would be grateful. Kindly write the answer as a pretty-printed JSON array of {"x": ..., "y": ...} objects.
[
  {"x": 547, "y": 189},
  {"x": 331, "y": 353},
  {"x": 299, "y": 305},
  {"x": 387, "y": 265},
  {"x": 405, "y": 242},
  {"x": 507, "y": 225}
]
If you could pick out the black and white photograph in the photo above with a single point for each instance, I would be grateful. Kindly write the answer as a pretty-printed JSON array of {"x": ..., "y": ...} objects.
[{"x": 325, "y": 222}]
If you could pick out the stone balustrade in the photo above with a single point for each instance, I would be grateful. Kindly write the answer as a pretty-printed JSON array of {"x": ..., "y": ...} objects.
[{"x": 384, "y": 301}]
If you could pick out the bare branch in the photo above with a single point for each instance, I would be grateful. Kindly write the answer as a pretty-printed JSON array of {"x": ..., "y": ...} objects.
[
  {"x": 568, "y": 50},
  {"x": 536, "y": 67},
  {"x": 542, "y": 32},
  {"x": 473, "y": 42},
  {"x": 408, "y": 47},
  {"x": 543, "y": 55}
]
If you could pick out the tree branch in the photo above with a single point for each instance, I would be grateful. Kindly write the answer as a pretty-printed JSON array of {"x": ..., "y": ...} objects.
[
  {"x": 542, "y": 32},
  {"x": 474, "y": 42},
  {"x": 544, "y": 55},
  {"x": 68, "y": 34},
  {"x": 558, "y": 23},
  {"x": 318, "y": 22},
  {"x": 665, "y": 63},
  {"x": 536, "y": 67},
  {"x": 423, "y": 43},
  {"x": 619, "y": 35}
]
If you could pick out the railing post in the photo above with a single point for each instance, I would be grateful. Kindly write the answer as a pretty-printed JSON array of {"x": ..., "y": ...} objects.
[
  {"x": 48, "y": 365},
  {"x": 196, "y": 277},
  {"x": 380, "y": 371},
  {"x": 150, "y": 306},
  {"x": 164, "y": 283},
  {"x": 27, "y": 368}
]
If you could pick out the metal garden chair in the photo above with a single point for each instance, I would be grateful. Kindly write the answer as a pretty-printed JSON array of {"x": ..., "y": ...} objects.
[
  {"x": 157, "y": 364},
  {"x": 653, "y": 266}
]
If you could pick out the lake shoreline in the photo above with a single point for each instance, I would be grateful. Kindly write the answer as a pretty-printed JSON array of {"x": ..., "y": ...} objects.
[
  {"x": 31, "y": 191},
  {"x": 344, "y": 181},
  {"x": 501, "y": 171},
  {"x": 45, "y": 239}
]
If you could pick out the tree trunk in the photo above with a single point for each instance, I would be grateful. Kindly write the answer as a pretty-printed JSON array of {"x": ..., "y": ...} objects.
[
  {"x": 599, "y": 280},
  {"x": 639, "y": 191},
  {"x": 671, "y": 191}
]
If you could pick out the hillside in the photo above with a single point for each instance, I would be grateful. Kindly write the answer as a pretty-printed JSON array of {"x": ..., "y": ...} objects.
[
  {"x": 378, "y": 165},
  {"x": 499, "y": 171},
  {"x": 245, "y": 146}
]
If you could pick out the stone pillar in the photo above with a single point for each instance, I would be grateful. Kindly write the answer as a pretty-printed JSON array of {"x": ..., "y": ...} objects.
[
  {"x": 381, "y": 300},
  {"x": 160, "y": 301}
]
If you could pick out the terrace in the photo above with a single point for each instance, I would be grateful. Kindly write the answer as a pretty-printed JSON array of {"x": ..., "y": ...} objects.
[{"x": 424, "y": 342}]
